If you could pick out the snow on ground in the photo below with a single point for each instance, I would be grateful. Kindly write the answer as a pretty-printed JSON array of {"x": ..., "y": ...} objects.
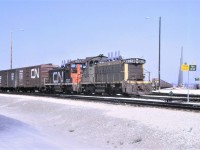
[
  {"x": 18, "y": 135},
  {"x": 39, "y": 123}
]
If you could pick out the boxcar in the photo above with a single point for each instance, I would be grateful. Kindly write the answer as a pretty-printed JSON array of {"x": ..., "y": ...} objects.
[
  {"x": 25, "y": 79},
  {"x": 7, "y": 79}
]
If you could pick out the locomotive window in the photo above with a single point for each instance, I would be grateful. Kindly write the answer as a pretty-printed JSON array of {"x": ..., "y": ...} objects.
[
  {"x": 83, "y": 66},
  {"x": 73, "y": 66},
  {"x": 91, "y": 63},
  {"x": 96, "y": 62}
]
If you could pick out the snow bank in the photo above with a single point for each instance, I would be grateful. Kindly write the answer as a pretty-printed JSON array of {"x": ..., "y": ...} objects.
[{"x": 16, "y": 135}]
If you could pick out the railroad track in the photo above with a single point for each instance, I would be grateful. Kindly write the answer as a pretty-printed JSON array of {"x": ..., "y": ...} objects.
[
  {"x": 139, "y": 101},
  {"x": 142, "y": 101}
]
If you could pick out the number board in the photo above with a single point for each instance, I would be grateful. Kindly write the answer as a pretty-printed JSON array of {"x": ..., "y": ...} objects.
[{"x": 135, "y": 61}]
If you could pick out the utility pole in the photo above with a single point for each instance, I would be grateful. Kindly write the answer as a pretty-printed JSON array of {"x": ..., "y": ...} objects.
[
  {"x": 159, "y": 53},
  {"x": 11, "y": 57},
  {"x": 10, "y": 50},
  {"x": 180, "y": 77}
]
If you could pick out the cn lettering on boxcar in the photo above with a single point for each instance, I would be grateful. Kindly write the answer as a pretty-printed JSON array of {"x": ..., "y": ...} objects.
[{"x": 35, "y": 73}]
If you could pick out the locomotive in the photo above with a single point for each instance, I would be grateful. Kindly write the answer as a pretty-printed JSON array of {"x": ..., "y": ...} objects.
[{"x": 92, "y": 75}]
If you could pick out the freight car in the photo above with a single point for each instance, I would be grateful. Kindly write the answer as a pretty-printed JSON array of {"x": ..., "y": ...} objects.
[
  {"x": 25, "y": 79},
  {"x": 100, "y": 75}
]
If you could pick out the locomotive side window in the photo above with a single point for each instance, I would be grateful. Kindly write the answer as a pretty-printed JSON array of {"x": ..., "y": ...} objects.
[
  {"x": 74, "y": 68},
  {"x": 91, "y": 63},
  {"x": 83, "y": 66},
  {"x": 96, "y": 62}
]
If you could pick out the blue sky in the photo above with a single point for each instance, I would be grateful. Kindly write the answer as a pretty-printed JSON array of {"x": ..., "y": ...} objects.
[{"x": 56, "y": 30}]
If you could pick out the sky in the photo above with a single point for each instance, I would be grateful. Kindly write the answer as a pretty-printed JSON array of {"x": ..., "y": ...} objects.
[{"x": 49, "y": 31}]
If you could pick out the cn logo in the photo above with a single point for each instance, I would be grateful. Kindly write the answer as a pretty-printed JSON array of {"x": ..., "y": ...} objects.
[
  {"x": 58, "y": 77},
  {"x": 35, "y": 73}
]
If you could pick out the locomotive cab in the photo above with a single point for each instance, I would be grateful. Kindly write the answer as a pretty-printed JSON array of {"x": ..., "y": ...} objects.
[
  {"x": 76, "y": 75},
  {"x": 88, "y": 81}
]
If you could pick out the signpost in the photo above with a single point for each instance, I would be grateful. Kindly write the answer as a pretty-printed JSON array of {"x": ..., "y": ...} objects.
[
  {"x": 192, "y": 67},
  {"x": 186, "y": 67},
  {"x": 197, "y": 79}
]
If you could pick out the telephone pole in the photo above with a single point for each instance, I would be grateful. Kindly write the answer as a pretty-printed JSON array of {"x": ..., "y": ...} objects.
[
  {"x": 10, "y": 50},
  {"x": 159, "y": 53}
]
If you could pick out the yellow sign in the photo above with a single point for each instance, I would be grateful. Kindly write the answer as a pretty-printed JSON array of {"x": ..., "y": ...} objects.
[{"x": 185, "y": 67}]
